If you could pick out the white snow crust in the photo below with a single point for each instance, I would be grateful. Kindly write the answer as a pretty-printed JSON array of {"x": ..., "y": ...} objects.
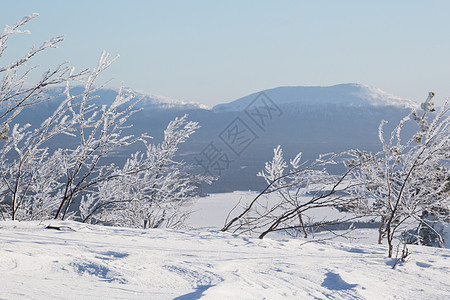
[
  {"x": 96, "y": 262},
  {"x": 167, "y": 102}
]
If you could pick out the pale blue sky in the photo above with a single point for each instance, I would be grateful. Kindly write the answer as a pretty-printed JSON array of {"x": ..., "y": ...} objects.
[{"x": 217, "y": 51}]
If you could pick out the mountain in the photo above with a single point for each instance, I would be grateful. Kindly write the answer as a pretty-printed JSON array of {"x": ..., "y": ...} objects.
[
  {"x": 311, "y": 120},
  {"x": 148, "y": 101},
  {"x": 105, "y": 96},
  {"x": 244, "y": 132},
  {"x": 343, "y": 95}
]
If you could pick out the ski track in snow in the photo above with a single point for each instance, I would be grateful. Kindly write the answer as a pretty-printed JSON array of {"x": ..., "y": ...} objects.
[{"x": 98, "y": 262}]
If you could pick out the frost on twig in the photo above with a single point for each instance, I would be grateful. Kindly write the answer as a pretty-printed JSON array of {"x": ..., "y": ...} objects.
[
  {"x": 304, "y": 188},
  {"x": 151, "y": 189},
  {"x": 408, "y": 183},
  {"x": 39, "y": 183}
]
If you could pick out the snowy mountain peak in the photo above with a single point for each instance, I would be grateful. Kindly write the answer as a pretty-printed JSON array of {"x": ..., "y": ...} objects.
[
  {"x": 346, "y": 95},
  {"x": 148, "y": 99},
  {"x": 377, "y": 97}
]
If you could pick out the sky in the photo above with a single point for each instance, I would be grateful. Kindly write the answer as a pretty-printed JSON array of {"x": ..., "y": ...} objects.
[{"x": 217, "y": 51}]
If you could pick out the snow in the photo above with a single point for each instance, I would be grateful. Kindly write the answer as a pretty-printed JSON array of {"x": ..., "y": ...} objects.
[
  {"x": 93, "y": 262},
  {"x": 149, "y": 99}
]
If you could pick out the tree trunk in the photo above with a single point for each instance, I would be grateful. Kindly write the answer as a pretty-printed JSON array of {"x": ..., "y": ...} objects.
[
  {"x": 381, "y": 230},
  {"x": 389, "y": 239}
]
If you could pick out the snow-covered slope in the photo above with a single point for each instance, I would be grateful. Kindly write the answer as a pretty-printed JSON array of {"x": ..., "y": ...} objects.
[
  {"x": 95, "y": 262},
  {"x": 149, "y": 100},
  {"x": 146, "y": 100},
  {"x": 351, "y": 94}
]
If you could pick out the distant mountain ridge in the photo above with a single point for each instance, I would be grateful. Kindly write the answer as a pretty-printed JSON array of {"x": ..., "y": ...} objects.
[
  {"x": 342, "y": 95},
  {"x": 146, "y": 100},
  {"x": 311, "y": 120},
  {"x": 163, "y": 102},
  {"x": 348, "y": 95}
]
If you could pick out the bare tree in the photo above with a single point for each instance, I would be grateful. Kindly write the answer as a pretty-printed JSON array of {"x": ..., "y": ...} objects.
[
  {"x": 25, "y": 157},
  {"x": 99, "y": 132},
  {"x": 306, "y": 188},
  {"x": 151, "y": 189},
  {"x": 407, "y": 179},
  {"x": 37, "y": 183},
  {"x": 17, "y": 92}
]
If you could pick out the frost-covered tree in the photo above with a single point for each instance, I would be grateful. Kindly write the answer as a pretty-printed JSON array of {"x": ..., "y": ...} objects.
[
  {"x": 16, "y": 93},
  {"x": 407, "y": 182},
  {"x": 151, "y": 189},
  {"x": 99, "y": 132},
  {"x": 32, "y": 177},
  {"x": 39, "y": 183},
  {"x": 300, "y": 190},
  {"x": 16, "y": 90}
]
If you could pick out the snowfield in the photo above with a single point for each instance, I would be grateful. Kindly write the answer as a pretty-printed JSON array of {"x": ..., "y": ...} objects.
[{"x": 97, "y": 262}]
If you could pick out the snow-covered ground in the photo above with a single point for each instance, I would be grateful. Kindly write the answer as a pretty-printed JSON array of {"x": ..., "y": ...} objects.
[{"x": 95, "y": 262}]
